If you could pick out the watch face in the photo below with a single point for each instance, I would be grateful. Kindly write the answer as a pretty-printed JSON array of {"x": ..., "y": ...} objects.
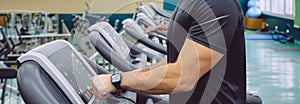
[{"x": 115, "y": 78}]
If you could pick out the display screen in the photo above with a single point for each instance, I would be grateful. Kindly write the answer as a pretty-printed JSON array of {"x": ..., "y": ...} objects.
[
  {"x": 117, "y": 42},
  {"x": 72, "y": 68}
]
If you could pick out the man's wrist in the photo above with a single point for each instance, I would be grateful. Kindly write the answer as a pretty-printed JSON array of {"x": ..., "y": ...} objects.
[
  {"x": 116, "y": 81},
  {"x": 111, "y": 87}
]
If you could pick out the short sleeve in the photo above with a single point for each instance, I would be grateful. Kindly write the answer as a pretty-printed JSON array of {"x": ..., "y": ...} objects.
[{"x": 216, "y": 33}]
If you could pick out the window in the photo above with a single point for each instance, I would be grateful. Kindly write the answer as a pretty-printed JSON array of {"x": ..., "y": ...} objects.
[
  {"x": 280, "y": 8},
  {"x": 289, "y": 7}
]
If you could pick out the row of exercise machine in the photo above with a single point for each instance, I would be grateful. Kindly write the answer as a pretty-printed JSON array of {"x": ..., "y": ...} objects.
[
  {"x": 56, "y": 72},
  {"x": 20, "y": 32},
  {"x": 62, "y": 74},
  {"x": 6, "y": 61}
]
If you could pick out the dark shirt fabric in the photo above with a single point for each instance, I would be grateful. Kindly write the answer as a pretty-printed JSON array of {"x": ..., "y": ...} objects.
[{"x": 216, "y": 24}]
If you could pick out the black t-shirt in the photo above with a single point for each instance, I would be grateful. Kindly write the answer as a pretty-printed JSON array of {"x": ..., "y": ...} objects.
[{"x": 217, "y": 24}]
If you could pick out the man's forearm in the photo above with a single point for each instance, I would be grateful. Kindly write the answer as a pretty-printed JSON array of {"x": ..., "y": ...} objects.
[
  {"x": 160, "y": 63},
  {"x": 154, "y": 81},
  {"x": 162, "y": 27}
]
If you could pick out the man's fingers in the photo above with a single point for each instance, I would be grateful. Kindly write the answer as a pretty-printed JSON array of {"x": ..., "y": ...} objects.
[
  {"x": 150, "y": 29},
  {"x": 98, "y": 88},
  {"x": 105, "y": 96},
  {"x": 97, "y": 93},
  {"x": 100, "y": 96}
]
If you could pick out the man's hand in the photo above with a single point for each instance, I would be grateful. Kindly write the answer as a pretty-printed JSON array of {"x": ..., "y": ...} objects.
[
  {"x": 102, "y": 86},
  {"x": 150, "y": 29}
]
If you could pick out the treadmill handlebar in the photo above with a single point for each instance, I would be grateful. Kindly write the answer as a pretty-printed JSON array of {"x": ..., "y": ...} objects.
[
  {"x": 142, "y": 19},
  {"x": 137, "y": 33},
  {"x": 160, "y": 12},
  {"x": 6, "y": 73},
  {"x": 108, "y": 53}
]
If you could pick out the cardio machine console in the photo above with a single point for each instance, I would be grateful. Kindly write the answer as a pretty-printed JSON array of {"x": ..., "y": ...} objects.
[
  {"x": 70, "y": 71},
  {"x": 118, "y": 44}
]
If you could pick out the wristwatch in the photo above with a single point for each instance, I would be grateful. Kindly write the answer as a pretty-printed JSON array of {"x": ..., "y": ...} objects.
[{"x": 116, "y": 81}]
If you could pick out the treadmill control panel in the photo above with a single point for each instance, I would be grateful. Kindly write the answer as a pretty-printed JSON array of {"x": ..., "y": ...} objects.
[
  {"x": 70, "y": 71},
  {"x": 113, "y": 38},
  {"x": 73, "y": 70}
]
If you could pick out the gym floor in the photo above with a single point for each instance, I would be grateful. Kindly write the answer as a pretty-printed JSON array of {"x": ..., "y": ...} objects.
[{"x": 273, "y": 70}]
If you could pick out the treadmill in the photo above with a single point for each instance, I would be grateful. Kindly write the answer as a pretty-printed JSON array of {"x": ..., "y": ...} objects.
[
  {"x": 153, "y": 16},
  {"x": 115, "y": 50},
  {"x": 160, "y": 12},
  {"x": 145, "y": 21},
  {"x": 6, "y": 72},
  {"x": 135, "y": 31},
  {"x": 57, "y": 73}
]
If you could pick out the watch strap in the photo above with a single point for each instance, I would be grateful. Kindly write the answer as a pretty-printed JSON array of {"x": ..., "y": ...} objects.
[{"x": 117, "y": 84}]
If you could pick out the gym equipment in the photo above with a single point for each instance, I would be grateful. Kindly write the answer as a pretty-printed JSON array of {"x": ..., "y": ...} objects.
[
  {"x": 34, "y": 24},
  {"x": 147, "y": 11},
  {"x": 156, "y": 18},
  {"x": 283, "y": 37},
  {"x": 40, "y": 24},
  {"x": 80, "y": 37},
  {"x": 253, "y": 12},
  {"x": 80, "y": 32},
  {"x": 260, "y": 37},
  {"x": 265, "y": 27},
  {"x": 7, "y": 45},
  {"x": 5, "y": 74},
  {"x": 135, "y": 31},
  {"x": 57, "y": 73},
  {"x": 160, "y": 12},
  {"x": 115, "y": 50},
  {"x": 253, "y": 99},
  {"x": 146, "y": 22},
  {"x": 2, "y": 20},
  {"x": 253, "y": 3}
]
